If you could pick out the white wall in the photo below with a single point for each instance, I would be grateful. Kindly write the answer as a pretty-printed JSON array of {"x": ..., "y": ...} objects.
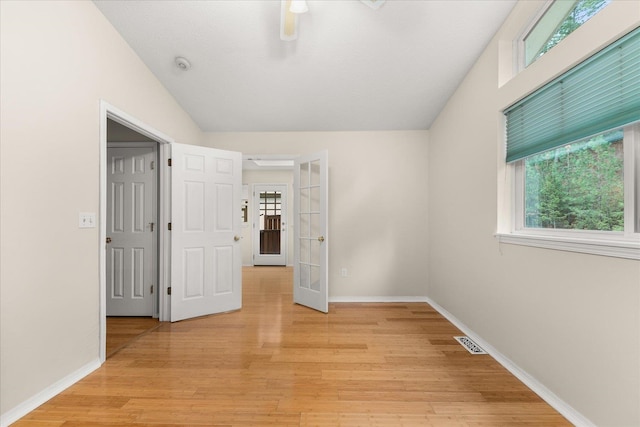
[
  {"x": 58, "y": 59},
  {"x": 251, "y": 177},
  {"x": 377, "y": 204},
  {"x": 572, "y": 321}
]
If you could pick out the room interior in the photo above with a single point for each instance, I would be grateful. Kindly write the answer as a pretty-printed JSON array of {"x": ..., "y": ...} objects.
[{"x": 415, "y": 202}]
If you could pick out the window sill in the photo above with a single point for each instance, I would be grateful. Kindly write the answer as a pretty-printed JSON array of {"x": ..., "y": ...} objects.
[{"x": 629, "y": 249}]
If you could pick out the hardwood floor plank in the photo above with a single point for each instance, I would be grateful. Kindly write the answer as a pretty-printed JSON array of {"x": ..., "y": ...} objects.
[
  {"x": 341, "y": 406},
  {"x": 489, "y": 408},
  {"x": 411, "y": 396},
  {"x": 275, "y": 363},
  {"x": 349, "y": 419}
]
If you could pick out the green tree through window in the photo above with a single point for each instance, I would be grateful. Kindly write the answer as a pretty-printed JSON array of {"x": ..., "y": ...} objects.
[
  {"x": 561, "y": 25},
  {"x": 578, "y": 186}
]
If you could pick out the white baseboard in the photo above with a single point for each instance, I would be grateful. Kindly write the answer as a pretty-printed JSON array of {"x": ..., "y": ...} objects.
[
  {"x": 33, "y": 402},
  {"x": 251, "y": 265},
  {"x": 378, "y": 299},
  {"x": 573, "y": 416}
]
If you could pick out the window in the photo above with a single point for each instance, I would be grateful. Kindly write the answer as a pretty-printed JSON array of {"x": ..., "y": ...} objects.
[
  {"x": 270, "y": 206},
  {"x": 574, "y": 149},
  {"x": 579, "y": 186},
  {"x": 560, "y": 19}
]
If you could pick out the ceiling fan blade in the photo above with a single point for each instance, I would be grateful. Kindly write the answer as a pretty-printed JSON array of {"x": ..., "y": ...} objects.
[
  {"x": 288, "y": 22},
  {"x": 373, "y": 4}
]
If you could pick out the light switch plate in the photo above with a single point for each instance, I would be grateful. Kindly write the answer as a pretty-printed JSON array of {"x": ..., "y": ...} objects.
[{"x": 87, "y": 220}]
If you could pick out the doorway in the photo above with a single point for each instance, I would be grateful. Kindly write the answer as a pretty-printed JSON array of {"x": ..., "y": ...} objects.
[
  {"x": 270, "y": 224},
  {"x": 309, "y": 217},
  {"x": 118, "y": 126},
  {"x": 131, "y": 295}
]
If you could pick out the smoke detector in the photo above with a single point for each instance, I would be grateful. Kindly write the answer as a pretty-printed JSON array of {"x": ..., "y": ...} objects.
[{"x": 182, "y": 63}]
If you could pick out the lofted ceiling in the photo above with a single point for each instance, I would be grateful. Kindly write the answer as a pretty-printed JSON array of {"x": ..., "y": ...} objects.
[{"x": 352, "y": 68}]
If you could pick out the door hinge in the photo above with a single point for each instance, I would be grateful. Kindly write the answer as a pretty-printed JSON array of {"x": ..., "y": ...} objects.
[
  {"x": 169, "y": 226},
  {"x": 151, "y": 289},
  {"x": 169, "y": 162},
  {"x": 169, "y": 290},
  {"x": 153, "y": 165}
]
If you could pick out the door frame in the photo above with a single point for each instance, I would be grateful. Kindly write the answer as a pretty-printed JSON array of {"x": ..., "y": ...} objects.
[{"x": 108, "y": 111}]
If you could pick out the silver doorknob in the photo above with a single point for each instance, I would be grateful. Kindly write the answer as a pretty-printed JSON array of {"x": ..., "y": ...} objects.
[
  {"x": 321, "y": 239},
  {"x": 236, "y": 238}
]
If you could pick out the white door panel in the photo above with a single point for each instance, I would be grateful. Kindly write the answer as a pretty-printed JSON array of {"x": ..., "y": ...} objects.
[
  {"x": 206, "y": 262},
  {"x": 131, "y": 247},
  {"x": 310, "y": 182}
]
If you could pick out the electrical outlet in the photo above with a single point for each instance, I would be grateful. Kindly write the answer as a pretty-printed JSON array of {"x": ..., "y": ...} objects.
[
  {"x": 343, "y": 272},
  {"x": 87, "y": 220}
]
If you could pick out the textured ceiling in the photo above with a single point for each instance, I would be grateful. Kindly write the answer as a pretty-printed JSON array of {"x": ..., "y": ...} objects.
[{"x": 351, "y": 68}]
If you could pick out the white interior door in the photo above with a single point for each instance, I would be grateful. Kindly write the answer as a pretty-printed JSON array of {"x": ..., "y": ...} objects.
[
  {"x": 270, "y": 224},
  {"x": 131, "y": 235},
  {"x": 206, "y": 260},
  {"x": 310, "y": 183}
]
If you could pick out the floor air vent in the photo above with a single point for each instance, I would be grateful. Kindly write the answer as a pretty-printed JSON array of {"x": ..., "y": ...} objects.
[{"x": 470, "y": 345}]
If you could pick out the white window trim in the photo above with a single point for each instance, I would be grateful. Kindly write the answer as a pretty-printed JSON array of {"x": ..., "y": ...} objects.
[
  {"x": 622, "y": 244},
  {"x": 613, "y": 248}
]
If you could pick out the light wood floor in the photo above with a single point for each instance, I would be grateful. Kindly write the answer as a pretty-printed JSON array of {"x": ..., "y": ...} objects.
[
  {"x": 278, "y": 364},
  {"x": 121, "y": 331}
]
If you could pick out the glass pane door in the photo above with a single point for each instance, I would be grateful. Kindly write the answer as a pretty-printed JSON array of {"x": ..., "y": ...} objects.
[{"x": 311, "y": 240}]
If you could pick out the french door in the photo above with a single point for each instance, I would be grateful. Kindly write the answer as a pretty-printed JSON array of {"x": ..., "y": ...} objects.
[{"x": 310, "y": 182}]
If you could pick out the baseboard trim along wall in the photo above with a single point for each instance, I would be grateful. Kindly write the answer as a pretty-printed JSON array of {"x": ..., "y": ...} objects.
[
  {"x": 377, "y": 299},
  {"x": 545, "y": 394},
  {"x": 54, "y": 389},
  {"x": 251, "y": 265}
]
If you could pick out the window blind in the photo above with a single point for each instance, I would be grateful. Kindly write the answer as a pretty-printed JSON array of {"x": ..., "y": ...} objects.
[{"x": 599, "y": 94}]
